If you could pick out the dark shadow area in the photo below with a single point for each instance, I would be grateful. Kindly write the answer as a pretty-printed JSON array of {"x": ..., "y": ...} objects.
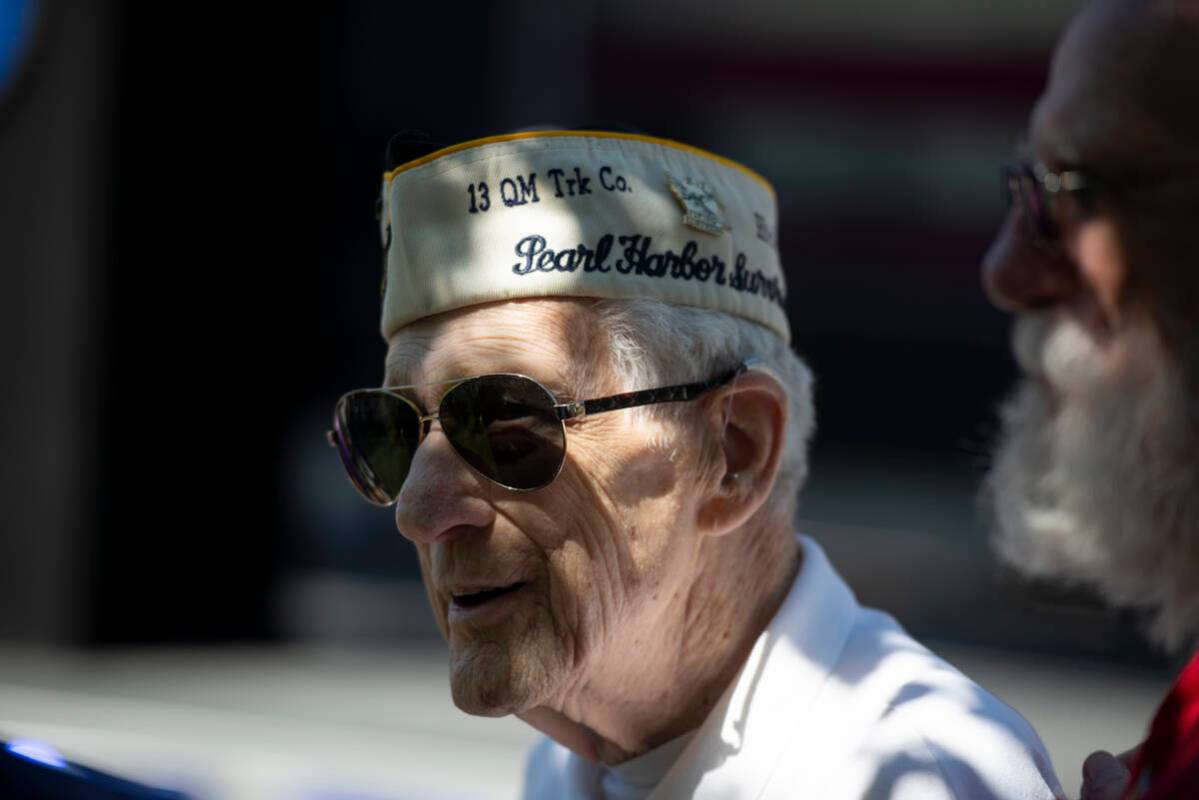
[{"x": 197, "y": 265}]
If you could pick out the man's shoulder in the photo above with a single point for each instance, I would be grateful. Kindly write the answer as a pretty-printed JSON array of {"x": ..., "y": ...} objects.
[{"x": 929, "y": 720}]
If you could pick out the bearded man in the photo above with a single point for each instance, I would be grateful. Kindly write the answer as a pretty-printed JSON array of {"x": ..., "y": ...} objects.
[{"x": 1096, "y": 478}]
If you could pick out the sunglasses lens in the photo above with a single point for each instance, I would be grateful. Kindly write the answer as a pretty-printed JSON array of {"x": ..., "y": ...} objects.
[
  {"x": 505, "y": 427},
  {"x": 1025, "y": 191},
  {"x": 377, "y": 434},
  {"x": 1038, "y": 209}
]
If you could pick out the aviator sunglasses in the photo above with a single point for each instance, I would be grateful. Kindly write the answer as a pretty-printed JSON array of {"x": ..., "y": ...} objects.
[{"x": 508, "y": 428}]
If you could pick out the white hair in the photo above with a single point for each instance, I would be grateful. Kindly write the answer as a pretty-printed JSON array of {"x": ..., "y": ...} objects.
[
  {"x": 651, "y": 343},
  {"x": 1096, "y": 478}
]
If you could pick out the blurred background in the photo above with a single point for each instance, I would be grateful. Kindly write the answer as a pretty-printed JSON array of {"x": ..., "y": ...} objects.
[{"x": 190, "y": 591}]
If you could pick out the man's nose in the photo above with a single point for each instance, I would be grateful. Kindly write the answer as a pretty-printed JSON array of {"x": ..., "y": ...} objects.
[
  {"x": 1020, "y": 274},
  {"x": 442, "y": 497}
]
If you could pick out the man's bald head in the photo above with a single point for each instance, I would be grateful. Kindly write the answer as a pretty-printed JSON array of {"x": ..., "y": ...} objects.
[{"x": 1122, "y": 91}]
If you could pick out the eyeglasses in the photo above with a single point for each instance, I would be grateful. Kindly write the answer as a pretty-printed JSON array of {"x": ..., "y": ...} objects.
[
  {"x": 1038, "y": 191},
  {"x": 508, "y": 428}
]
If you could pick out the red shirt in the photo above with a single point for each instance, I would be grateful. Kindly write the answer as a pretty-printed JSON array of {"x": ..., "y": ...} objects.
[{"x": 1167, "y": 766}]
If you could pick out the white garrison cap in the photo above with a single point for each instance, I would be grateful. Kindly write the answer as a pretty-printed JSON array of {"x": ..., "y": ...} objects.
[{"x": 579, "y": 214}]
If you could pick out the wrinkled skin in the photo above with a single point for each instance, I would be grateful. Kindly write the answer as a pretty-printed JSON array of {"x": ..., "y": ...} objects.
[{"x": 623, "y": 635}]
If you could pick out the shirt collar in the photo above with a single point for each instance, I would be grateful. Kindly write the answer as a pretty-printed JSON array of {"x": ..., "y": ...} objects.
[
  {"x": 637, "y": 776},
  {"x": 736, "y": 749}
]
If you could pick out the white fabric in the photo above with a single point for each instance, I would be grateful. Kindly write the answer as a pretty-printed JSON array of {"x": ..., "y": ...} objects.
[
  {"x": 583, "y": 214},
  {"x": 836, "y": 702},
  {"x": 636, "y": 778}
]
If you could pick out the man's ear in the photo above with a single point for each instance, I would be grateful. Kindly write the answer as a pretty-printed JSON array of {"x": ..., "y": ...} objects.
[{"x": 747, "y": 421}]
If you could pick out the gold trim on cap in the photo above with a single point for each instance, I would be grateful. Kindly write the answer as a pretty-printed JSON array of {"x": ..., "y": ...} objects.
[{"x": 630, "y": 137}]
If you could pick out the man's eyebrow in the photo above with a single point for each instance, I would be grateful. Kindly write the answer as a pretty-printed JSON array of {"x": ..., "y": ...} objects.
[
  {"x": 559, "y": 386},
  {"x": 393, "y": 373},
  {"x": 402, "y": 366},
  {"x": 562, "y": 390}
]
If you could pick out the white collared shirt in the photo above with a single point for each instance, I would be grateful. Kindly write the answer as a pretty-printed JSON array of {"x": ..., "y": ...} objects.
[{"x": 836, "y": 702}]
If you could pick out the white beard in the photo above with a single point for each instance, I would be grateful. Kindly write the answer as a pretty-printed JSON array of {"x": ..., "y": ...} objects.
[{"x": 1096, "y": 477}]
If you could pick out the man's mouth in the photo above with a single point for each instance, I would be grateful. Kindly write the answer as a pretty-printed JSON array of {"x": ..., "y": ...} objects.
[{"x": 478, "y": 598}]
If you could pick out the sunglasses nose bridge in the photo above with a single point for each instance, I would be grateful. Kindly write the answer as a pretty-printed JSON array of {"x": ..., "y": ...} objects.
[{"x": 426, "y": 422}]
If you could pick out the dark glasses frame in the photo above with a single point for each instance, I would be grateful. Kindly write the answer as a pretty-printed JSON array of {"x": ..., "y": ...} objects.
[
  {"x": 1039, "y": 191},
  {"x": 574, "y": 411}
]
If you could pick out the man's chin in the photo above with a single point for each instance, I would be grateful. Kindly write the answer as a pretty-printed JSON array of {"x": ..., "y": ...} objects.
[
  {"x": 1099, "y": 489},
  {"x": 1022, "y": 503},
  {"x": 488, "y": 680}
]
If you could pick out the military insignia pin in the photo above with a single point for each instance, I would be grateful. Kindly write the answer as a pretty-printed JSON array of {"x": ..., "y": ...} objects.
[{"x": 701, "y": 209}]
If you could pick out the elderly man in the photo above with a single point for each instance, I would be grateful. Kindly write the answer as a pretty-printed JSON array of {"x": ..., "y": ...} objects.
[
  {"x": 594, "y": 430},
  {"x": 1096, "y": 479}
]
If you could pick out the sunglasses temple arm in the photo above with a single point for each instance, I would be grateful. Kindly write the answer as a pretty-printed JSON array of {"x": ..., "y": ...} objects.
[{"x": 666, "y": 394}]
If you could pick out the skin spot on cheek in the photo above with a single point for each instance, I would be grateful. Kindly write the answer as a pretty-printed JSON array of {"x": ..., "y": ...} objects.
[{"x": 602, "y": 537}]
